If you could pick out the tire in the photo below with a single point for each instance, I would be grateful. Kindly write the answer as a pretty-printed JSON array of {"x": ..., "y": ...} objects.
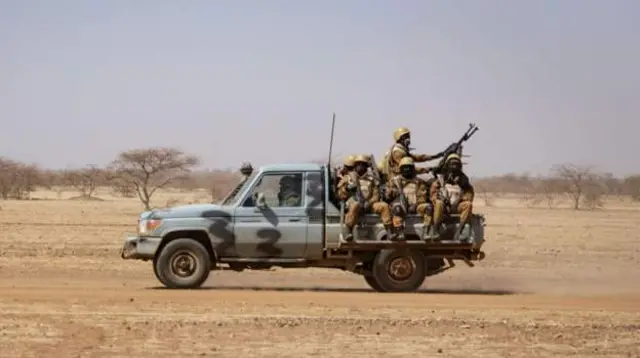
[
  {"x": 371, "y": 281},
  {"x": 398, "y": 270},
  {"x": 187, "y": 252},
  {"x": 155, "y": 270}
]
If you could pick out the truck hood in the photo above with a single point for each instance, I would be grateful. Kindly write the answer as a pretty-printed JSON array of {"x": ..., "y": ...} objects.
[{"x": 190, "y": 211}]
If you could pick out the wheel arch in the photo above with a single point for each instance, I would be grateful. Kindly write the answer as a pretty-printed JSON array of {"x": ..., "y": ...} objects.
[{"x": 197, "y": 235}]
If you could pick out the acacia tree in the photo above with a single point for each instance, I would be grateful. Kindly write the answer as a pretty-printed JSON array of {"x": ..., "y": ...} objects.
[
  {"x": 631, "y": 187},
  {"x": 85, "y": 180},
  {"x": 17, "y": 180},
  {"x": 581, "y": 184},
  {"x": 146, "y": 170}
]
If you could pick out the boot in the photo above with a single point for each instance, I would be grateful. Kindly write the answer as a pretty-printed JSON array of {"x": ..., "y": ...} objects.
[
  {"x": 465, "y": 234},
  {"x": 347, "y": 233},
  {"x": 400, "y": 234},
  {"x": 391, "y": 235},
  {"x": 431, "y": 232}
]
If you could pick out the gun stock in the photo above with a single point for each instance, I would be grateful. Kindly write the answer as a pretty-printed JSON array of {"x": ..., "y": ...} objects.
[
  {"x": 359, "y": 196},
  {"x": 403, "y": 199}
]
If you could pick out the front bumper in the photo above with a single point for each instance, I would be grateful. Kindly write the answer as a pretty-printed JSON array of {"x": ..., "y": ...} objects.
[{"x": 140, "y": 247}]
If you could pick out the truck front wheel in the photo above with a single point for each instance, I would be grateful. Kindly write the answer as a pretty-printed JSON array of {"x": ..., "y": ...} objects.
[
  {"x": 183, "y": 264},
  {"x": 398, "y": 270}
]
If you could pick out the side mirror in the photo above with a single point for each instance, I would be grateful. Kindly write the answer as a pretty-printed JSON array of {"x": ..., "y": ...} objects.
[{"x": 261, "y": 202}]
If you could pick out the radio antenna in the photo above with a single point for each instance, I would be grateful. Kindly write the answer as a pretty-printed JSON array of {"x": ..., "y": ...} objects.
[{"x": 333, "y": 124}]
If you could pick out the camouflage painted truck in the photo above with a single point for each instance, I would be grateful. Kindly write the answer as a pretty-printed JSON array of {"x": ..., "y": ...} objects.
[{"x": 249, "y": 230}]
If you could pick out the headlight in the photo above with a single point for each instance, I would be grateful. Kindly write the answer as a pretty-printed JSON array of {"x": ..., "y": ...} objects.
[{"x": 146, "y": 226}]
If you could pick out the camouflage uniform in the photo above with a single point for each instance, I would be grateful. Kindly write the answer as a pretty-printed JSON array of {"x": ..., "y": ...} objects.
[
  {"x": 289, "y": 193},
  {"x": 415, "y": 192},
  {"x": 349, "y": 163},
  {"x": 347, "y": 167},
  {"x": 400, "y": 150},
  {"x": 457, "y": 194},
  {"x": 347, "y": 189}
]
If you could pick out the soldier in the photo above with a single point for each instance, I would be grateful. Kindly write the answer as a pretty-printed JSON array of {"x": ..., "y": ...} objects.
[
  {"x": 400, "y": 149},
  {"x": 356, "y": 183},
  {"x": 452, "y": 191},
  {"x": 346, "y": 167},
  {"x": 290, "y": 192},
  {"x": 414, "y": 195},
  {"x": 370, "y": 168}
]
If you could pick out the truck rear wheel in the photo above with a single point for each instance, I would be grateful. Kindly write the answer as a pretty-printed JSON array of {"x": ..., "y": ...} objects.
[
  {"x": 371, "y": 281},
  {"x": 183, "y": 264},
  {"x": 398, "y": 270}
]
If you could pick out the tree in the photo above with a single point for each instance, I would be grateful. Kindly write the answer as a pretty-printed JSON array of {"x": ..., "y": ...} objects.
[
  {"x": 8, "y": 174},
  {"x": 550, "y": 190},
  {"x": 17, "y": 180},
  {"x": 85, "y": 180},
  {"x": 631, "y": 187},
  {"x": 581, "y": 184},
  {"x": 146, "y": 170}
]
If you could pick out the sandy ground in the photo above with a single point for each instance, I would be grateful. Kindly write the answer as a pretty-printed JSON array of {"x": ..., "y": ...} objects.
[{"x": 554, "y": 283}]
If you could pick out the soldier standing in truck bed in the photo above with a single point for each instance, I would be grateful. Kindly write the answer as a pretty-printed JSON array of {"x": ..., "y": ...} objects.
[
  {"x": 400, "y": 149},
  {"x": 361, "y": 181}
]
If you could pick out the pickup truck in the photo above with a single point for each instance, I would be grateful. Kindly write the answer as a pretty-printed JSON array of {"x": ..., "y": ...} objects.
[{"x": 251, "y": 229}]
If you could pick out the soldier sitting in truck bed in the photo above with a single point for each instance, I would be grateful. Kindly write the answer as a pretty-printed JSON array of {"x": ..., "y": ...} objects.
[
  {"x": 361, "y": 194},
  {"x": 452, "y": 193},
  {"x": 346, "y": 168},
  {"x": 407, "y": 194}
]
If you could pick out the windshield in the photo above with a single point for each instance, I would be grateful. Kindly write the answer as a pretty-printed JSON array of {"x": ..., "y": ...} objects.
[{"x": 232, "y": 196}]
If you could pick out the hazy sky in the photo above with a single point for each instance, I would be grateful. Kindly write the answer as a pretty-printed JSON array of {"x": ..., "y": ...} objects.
[{"x": 547, "y": 81}]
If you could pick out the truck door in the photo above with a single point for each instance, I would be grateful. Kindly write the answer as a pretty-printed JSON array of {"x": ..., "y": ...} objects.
[{"x": 279, "y": 229}]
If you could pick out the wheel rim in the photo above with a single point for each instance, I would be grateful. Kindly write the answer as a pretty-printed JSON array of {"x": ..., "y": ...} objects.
[
  {"x": 183, "y": 264},
  {"x": 401, "y": 268}
]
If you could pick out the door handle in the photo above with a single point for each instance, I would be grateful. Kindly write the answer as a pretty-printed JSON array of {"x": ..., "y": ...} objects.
[{"x": 294, "y": 220}]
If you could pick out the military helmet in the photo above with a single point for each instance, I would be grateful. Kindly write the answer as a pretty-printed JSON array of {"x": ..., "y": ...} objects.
[
  {"x": 407, "y": 161},
  {"x": 361, "y": 159},
  {"x": 349, "y": 161},
  {"x": 453, "y": 157},
  {"x": 399, "y": 132}
]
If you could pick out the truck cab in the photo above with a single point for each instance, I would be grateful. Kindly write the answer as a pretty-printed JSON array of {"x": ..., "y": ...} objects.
[{"x": 256, "y": 227}]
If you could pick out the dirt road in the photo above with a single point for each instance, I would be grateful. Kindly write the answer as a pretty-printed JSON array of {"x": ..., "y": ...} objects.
[
  {"x": 555, "y": 283},
  {"x": 105, "y": 317}
]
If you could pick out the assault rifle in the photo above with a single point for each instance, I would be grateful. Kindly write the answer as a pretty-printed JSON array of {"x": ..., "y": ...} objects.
[
  {"x": 455, "y": 148},
  {"x": 403, "y": 199},
  {"x": 376, "y": 176},
  {"x": 359, "y": 196}
]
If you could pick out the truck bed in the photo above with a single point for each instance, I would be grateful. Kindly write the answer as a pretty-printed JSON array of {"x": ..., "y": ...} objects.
[{"x": 368, "y": 234}]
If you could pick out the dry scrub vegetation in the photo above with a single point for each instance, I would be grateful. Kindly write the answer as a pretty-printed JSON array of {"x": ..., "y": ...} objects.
[
  {"x": 556, "y": 281},
  {"x": 141, "y": 172}
]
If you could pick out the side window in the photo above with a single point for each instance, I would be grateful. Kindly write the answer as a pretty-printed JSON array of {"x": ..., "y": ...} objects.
[{"x": 279, "y": 190}]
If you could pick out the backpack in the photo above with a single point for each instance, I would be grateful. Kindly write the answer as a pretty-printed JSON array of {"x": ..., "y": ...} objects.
[{"x": 386, "y": 158}]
